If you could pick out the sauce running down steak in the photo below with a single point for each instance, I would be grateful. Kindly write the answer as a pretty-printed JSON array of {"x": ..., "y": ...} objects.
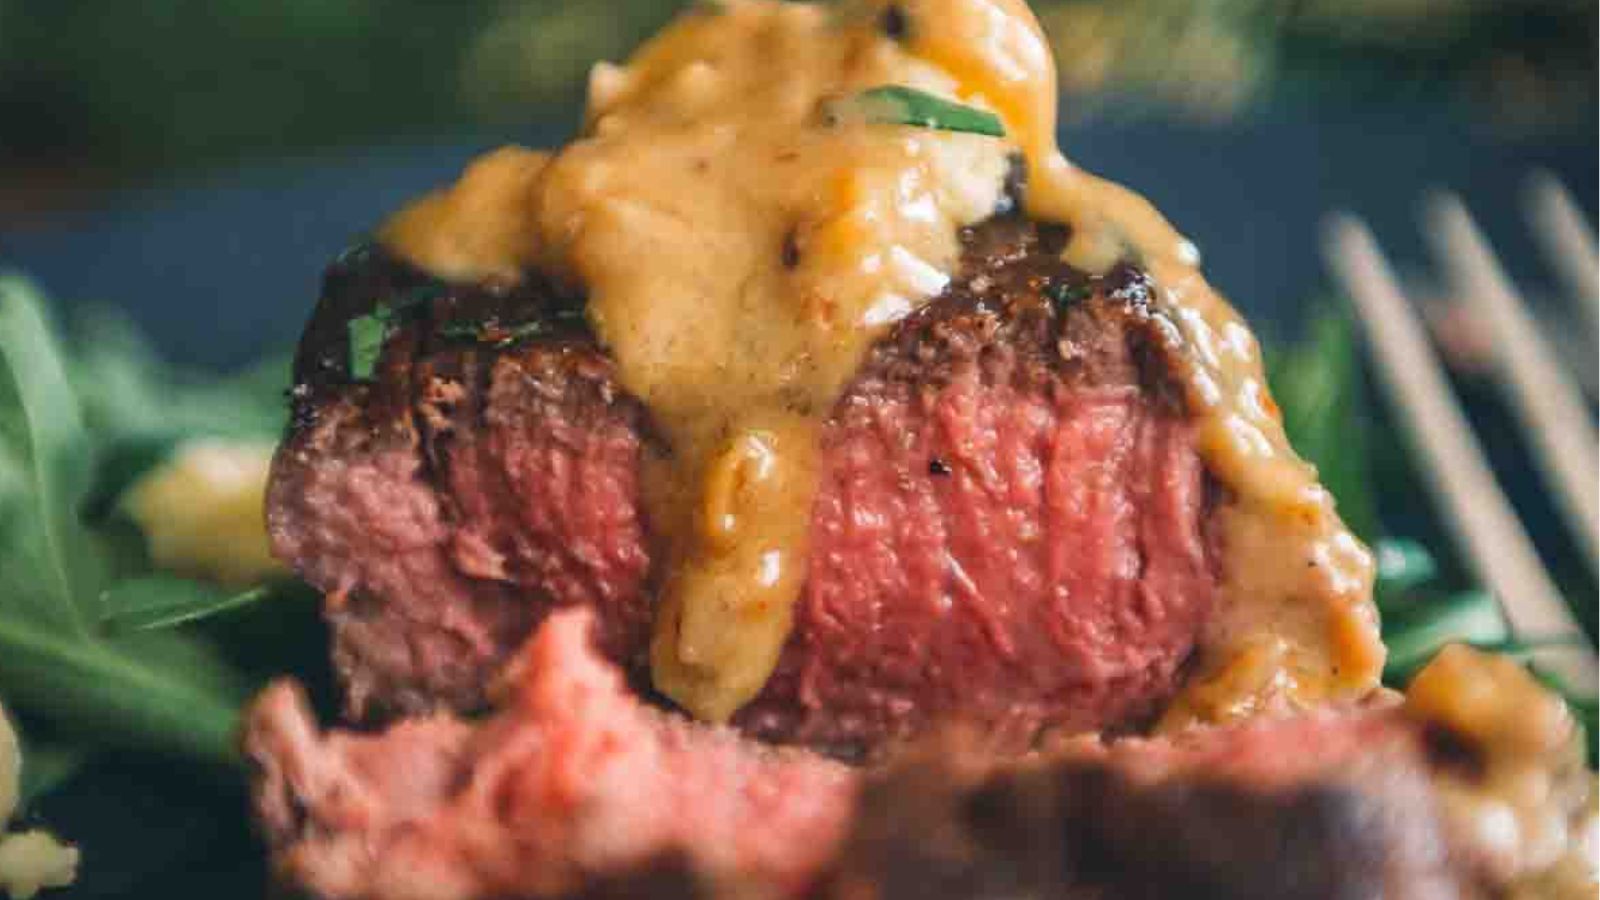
[{"x": 1010, "y": 527}]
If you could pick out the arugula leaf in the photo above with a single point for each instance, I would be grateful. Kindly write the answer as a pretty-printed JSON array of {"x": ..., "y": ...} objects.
[
  {"x": 127, "y": 392},
  {"x": 366, "y": 333},
  {"x": 155, "y": 602},
  {"x": 1416, "y": 632},
  {"x": 158, "y": 692},
  {"x": 165, "y": 691},
  {"x": 894, "y": 104},
  {"x": 58, "y": 453}
]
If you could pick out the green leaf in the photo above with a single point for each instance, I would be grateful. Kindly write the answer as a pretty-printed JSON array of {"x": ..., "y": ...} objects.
[
  {"x": 58, "y": 452},
  {"x": 894, "y": 104},
  {"x": 155, "y": 602},
  {"x": 366, "y": 334},
  {"x": 126, "y": 391},
  {"x": 1415, "y": 633},
  {"x": 150, "y": 692}
]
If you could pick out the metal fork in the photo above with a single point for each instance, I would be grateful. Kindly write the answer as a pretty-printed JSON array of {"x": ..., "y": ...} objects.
[{"x": 1547, "y": 401}]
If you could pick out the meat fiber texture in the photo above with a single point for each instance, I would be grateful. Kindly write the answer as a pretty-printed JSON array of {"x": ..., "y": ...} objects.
[
  {"x": 571, "y": 784},
  {"x": 575, "y": 788},
  {"x": 1011, "y": 527}
]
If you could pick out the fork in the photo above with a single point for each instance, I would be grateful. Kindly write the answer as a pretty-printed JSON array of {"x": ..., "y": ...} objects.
[{"x": 1547, "y": 402}]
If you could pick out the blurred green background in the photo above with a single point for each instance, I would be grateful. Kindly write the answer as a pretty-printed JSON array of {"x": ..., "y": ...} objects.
[{"x": 100, "y": 92}]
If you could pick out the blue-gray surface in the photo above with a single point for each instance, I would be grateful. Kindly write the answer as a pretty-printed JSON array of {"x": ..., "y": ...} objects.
[{"x": 221, "y": 270}]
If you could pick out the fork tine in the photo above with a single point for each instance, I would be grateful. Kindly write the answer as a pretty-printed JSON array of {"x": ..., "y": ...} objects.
[
  {"x": 1547, "y": 401},
  {"x": 1453, "y": 464},
  {"x": 1568, "y": 243}
]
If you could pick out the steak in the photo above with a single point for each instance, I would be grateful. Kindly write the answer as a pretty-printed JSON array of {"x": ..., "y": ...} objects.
[
  {"x": 1331, "y": 806},
  {"x": 1011, "y": 527},
  {"x": 575, "y": 787}
]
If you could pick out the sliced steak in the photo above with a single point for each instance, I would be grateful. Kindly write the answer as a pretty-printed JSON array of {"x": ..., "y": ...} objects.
[
  {"x": 1329, "y": 807},
  {"x": 1010, "y": 528},
  {"x": 576, "y": 788},
  {"x": 573, "y": 787}
]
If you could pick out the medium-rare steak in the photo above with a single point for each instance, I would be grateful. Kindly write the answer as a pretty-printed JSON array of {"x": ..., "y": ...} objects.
[
  {"x": 572, "y": 785},
  {"x": 1010, "y": 526},
  {"x": 575, "y": 788}
]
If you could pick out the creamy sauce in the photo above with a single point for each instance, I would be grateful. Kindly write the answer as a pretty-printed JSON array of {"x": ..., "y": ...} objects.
[
  {"x": 1525, "y": 803},
  {"x": 741, "y": 250}
]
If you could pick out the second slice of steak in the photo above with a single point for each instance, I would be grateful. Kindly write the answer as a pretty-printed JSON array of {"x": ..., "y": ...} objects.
[
  {"x": 575, "y": 788},
  {"x": 1010, "y": 529}
]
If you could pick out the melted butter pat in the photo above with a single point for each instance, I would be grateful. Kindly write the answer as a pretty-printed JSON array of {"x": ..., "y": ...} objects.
[{"x": 741, "y": 252}]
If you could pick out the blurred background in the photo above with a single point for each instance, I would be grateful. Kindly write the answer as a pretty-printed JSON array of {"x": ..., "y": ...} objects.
[
  {"x": 183, "y": 158},
  {"x": 190, "y": 165},
  {"x": 94, "y": 94}
]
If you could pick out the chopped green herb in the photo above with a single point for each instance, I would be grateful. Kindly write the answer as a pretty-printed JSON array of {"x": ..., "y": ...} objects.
[
  {"x": 894, "y": 104},
  {"x": 493, "y": 332},
  {"x": 367, "y": 334},
  {"x": 1066, "y": 294}
]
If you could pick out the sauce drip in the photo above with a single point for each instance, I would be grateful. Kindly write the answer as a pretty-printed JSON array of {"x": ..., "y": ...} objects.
[{"x": 742, "y": 249}]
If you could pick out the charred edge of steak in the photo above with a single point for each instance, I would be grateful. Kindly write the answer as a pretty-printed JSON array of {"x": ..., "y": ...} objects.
[
  {"x": 1012, "y": 285},
  {"x": 1012, "y": 288},
  {"x": 368, "y": 278}
]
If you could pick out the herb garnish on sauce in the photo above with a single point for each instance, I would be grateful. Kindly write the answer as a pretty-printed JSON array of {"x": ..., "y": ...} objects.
[{"x": 894, "y": 104}]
